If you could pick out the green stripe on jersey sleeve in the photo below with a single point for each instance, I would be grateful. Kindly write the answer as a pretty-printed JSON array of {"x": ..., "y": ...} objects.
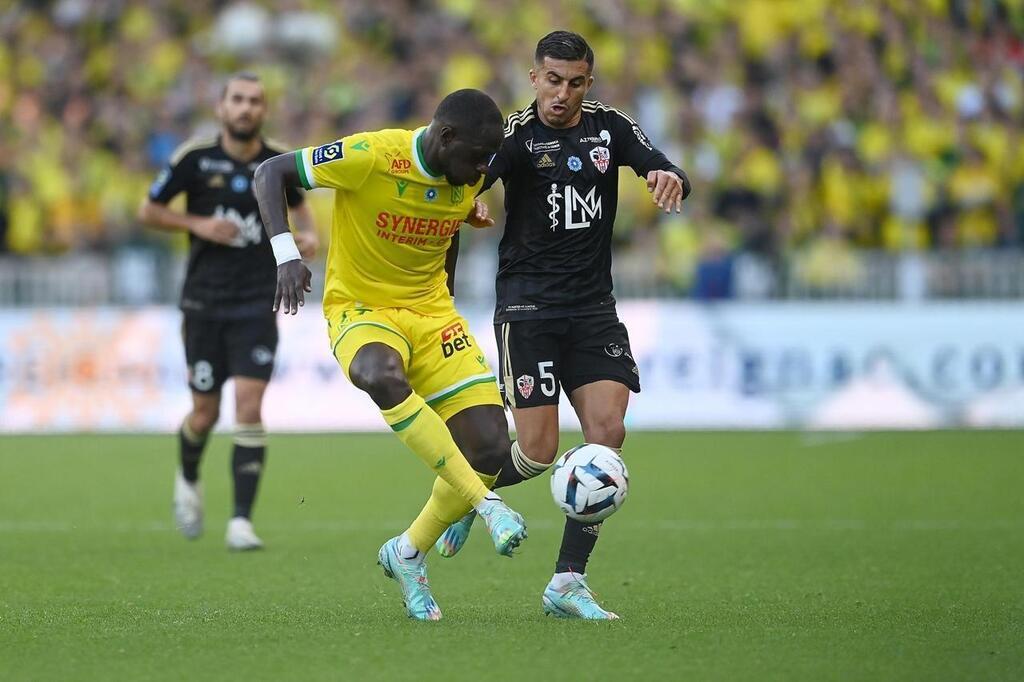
[{"x": 306, "y": 178}]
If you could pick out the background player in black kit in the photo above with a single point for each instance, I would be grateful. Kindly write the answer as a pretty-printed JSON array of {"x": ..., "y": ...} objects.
[
  {"x": 230, "y": 329},
  {"x": 555, "y": 320}
]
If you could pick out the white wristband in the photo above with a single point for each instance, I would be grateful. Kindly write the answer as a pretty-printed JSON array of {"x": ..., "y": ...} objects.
[{"x": 284, "y": 247}]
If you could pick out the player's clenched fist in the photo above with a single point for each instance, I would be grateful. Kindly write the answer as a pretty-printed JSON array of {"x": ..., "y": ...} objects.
[{"x": 293, "y": 280}]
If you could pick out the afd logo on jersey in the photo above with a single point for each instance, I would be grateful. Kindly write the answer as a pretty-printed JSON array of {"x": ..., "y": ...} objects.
[
  {"x": 398, "y": 165},
  {"x": 454, "y": 339},
  {"x": 328, "y": 152},
  {"x": 572, "y": 210}
]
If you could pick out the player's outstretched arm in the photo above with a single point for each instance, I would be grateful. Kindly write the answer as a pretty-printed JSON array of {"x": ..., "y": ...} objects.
[{"x": 293, "y": 277}]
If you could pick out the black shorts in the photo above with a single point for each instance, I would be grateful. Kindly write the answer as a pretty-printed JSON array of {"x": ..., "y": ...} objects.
[
  {"x": 537, "y": 358},
  {"x": 218, "y": 349}
]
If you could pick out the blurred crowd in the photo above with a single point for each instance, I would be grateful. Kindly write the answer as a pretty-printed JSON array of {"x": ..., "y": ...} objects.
[{"x": 811, "y": 129}]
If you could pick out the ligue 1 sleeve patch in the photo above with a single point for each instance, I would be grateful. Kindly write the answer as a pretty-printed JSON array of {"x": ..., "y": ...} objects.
[{"x": 327, "y": 153}]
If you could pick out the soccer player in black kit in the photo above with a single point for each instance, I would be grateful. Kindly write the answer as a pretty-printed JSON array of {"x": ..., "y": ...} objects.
[
  {"x": 555, "y": 321},
  {"x": 229, "y": 329}
]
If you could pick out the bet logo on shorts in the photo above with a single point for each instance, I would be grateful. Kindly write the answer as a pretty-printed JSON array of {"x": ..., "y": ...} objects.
[{"x": 454, "y": 339}]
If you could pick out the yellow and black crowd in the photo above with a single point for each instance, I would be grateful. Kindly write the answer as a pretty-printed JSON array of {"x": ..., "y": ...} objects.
[{"x": 812, "y": 130}]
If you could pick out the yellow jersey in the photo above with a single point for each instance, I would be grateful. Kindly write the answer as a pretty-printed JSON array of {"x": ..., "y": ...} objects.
[{"x": 394, "y": 220}]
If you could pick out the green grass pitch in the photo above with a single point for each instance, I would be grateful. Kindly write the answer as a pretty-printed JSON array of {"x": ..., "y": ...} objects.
[{"x": 738, "y": 556}]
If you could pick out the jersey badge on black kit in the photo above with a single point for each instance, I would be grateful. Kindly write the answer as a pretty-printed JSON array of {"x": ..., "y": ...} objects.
[
  {"x": 525, "y": 386},
  {"x": 601, "y": 157},
  {"x": 239, "y": 183},
  {"x": 328, "y": 152},
  {"x": 574, "y": 163}
]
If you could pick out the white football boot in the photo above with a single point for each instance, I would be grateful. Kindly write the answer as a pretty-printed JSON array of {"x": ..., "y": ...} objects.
[
  {"x": 188, "y": 507},
  {"x": 240, "y": 536}
]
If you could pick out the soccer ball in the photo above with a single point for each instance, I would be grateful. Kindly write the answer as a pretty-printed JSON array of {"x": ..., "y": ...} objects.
[{"x": 589, "y": 482}]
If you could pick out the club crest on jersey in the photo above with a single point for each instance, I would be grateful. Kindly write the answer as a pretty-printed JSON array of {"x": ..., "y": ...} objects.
[
  {"x": 328, "y": 152},
  {"x": 525, "y": 386},
  {"x": 601, "y": 157},
  {"x": 575, "y": 164},
  {"x": 545, "y": 162},
  {"x": 458, "y": 194}
]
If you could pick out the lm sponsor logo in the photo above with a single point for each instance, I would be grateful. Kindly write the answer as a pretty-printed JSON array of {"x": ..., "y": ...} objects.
[{"x": 571, "y": 209}]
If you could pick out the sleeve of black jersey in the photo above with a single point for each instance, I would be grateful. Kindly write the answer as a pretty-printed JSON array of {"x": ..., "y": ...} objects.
[
  {"x": 172, "y": 180},
  {"x": 501, "y": 164},
  {"x": 637, "y": 152}
]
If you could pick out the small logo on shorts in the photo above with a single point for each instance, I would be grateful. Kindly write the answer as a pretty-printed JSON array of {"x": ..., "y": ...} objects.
[
  {"x": 525, "y": 386},
  {"x": 453, "y": 339},
  {"x": 614, "y": 350},
  {"x": 261, "y": 355}
]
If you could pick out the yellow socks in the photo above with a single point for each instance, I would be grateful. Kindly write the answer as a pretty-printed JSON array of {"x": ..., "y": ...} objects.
[
  {"x": 425, "y": 433},
  {"x": 444, "y": 508}
]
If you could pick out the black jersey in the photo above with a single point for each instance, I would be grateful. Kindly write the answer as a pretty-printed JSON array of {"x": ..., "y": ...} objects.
[
  {"x": 223, "y": 281},
  {"x": 561, "y": 192}
]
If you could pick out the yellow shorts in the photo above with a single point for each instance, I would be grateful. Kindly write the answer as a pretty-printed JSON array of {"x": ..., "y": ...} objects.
[{"x": 442, "y": 360}]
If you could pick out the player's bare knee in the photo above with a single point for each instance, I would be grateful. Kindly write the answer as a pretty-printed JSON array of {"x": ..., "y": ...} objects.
[
  {"x": 490, "y": 455},
  {"x": 609, "y": 431},
  {"x": 382, "y": 378},
  {"x": 541, "y": 448},
  {"x": 202, "y": 420}
]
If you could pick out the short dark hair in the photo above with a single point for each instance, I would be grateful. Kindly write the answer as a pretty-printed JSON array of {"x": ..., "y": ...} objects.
[
  {"x": 469, "y": 112},
  {"x": 250, "y": 76},
  {"x": 566, "y": 46}
]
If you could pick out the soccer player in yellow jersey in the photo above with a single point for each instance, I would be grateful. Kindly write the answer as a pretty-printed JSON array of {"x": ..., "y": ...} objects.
[{"x": 400, "y": 198}]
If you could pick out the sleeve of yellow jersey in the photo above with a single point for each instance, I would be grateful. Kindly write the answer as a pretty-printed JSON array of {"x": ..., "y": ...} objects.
[{"x": 342, "y": 164}]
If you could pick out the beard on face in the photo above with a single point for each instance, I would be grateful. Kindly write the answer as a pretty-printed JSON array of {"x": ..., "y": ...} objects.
[{"x": 243, "y": 134}]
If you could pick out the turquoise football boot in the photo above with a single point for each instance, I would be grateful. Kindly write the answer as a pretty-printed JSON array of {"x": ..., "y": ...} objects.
[
  {"x": 411, "y": 576},
  {"x": 452, "y": 540},
  {"x": 573, "y": 600},
  {"x": 507, "y": 528}
]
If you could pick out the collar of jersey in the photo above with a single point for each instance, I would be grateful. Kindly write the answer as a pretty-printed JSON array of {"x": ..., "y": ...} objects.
[{"x": 417, "y": 153}]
